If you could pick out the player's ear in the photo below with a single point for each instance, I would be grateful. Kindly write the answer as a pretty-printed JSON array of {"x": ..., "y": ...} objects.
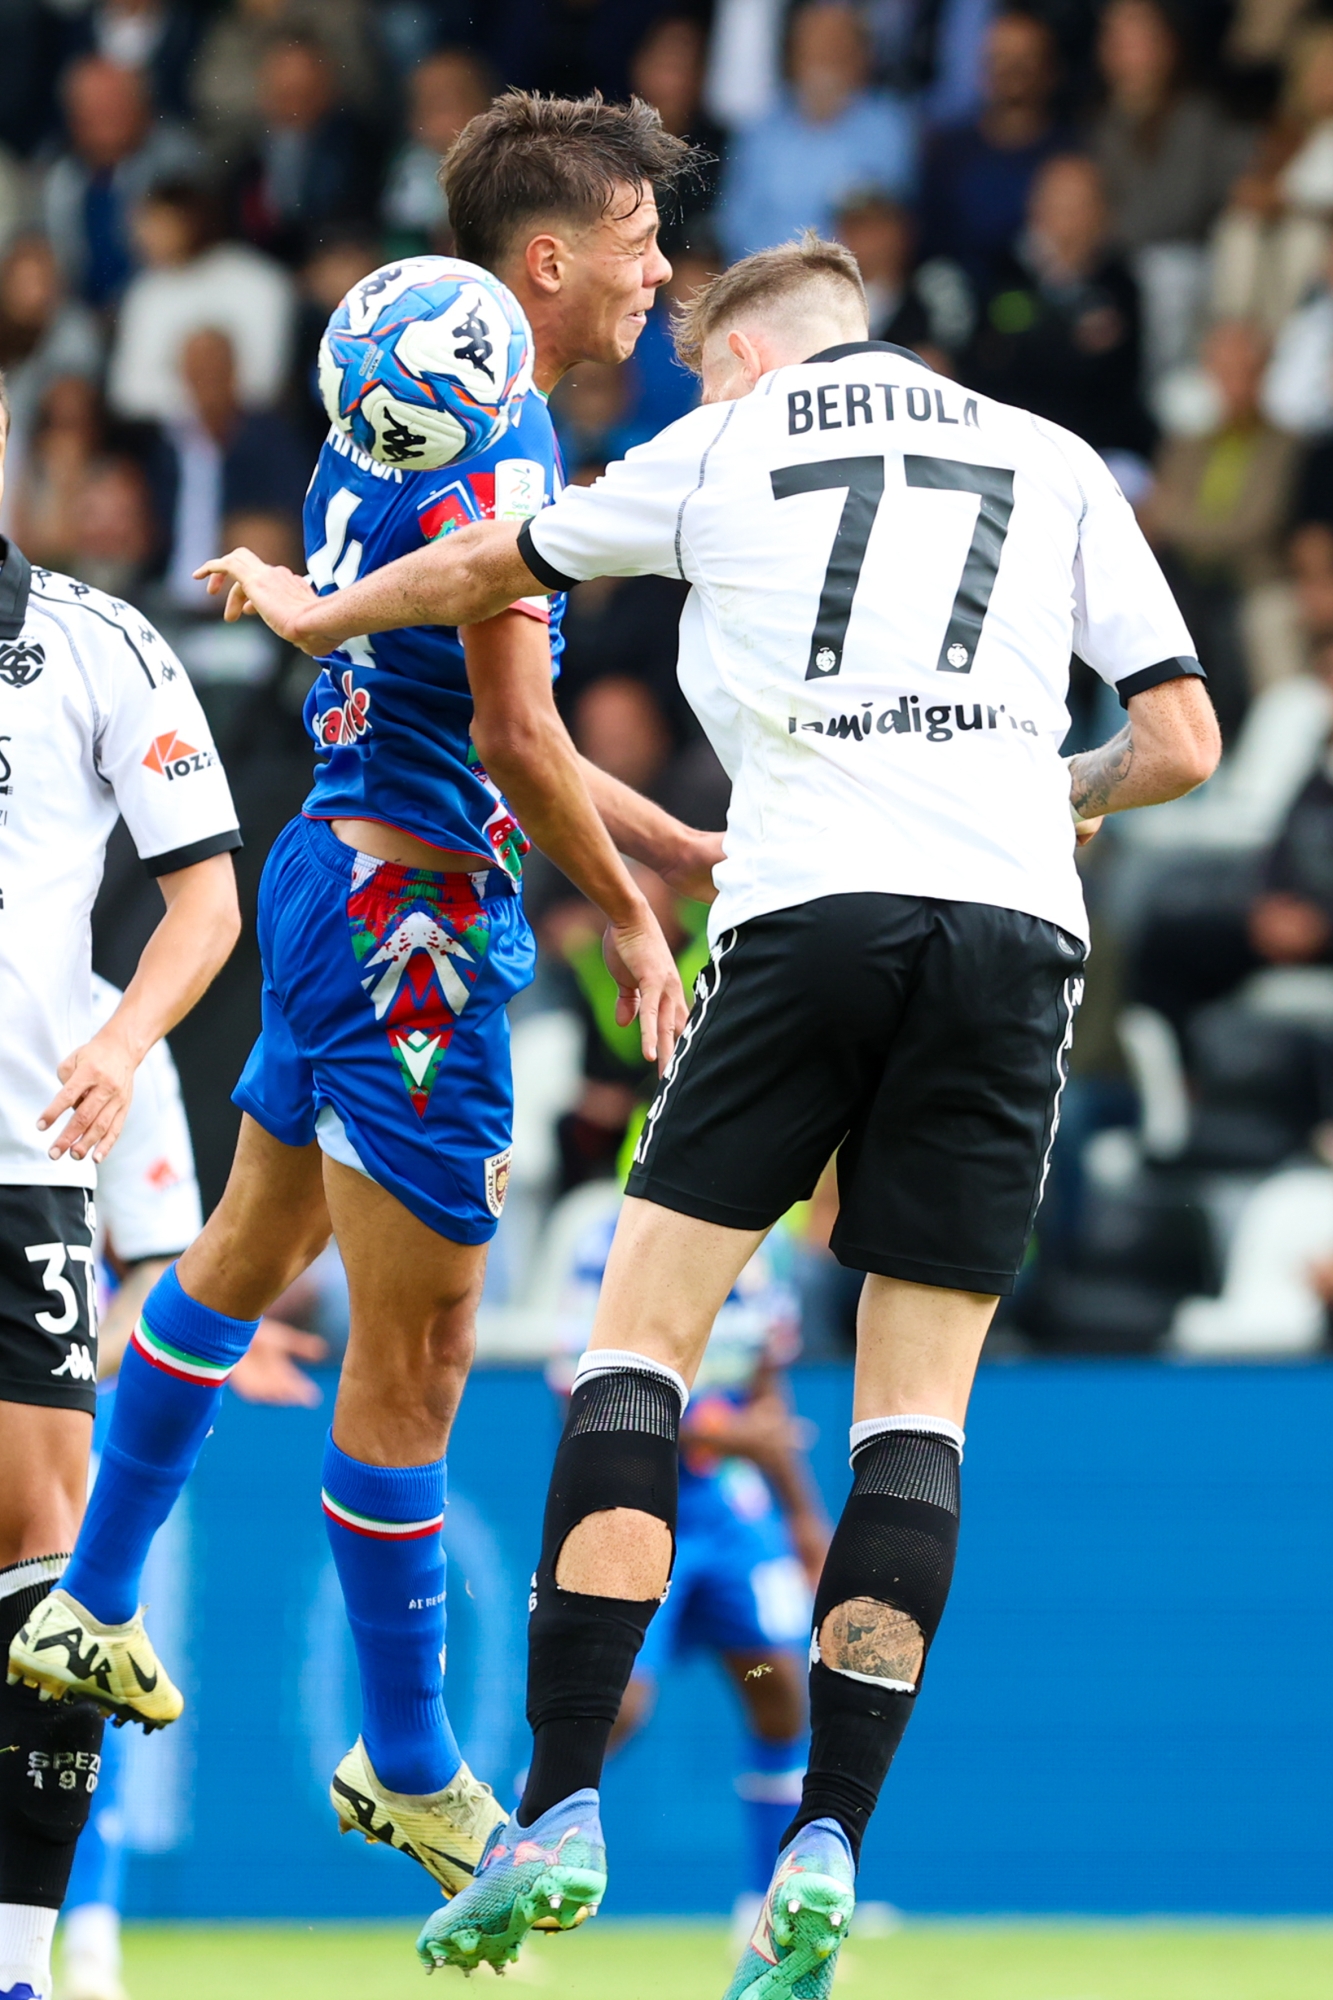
[
  {"x": 748, "y": 355},
  {"x": 545, "y": 259}
]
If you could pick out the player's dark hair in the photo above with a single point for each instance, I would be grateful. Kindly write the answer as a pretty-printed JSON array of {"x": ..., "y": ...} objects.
[
  {"x": 531, "y": 158},
  {"x": 809, "y": 264}
]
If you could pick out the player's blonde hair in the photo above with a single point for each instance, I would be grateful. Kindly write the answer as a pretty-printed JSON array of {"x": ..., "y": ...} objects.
[{"x": 809, "y": 272}]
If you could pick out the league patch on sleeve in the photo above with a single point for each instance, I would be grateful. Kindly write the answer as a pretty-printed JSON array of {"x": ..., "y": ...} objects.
[
  {"x": 497, "y": 1180},
  {"x": 520, "y": 489}
]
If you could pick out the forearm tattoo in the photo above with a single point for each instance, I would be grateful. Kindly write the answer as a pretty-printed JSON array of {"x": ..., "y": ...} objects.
[{"x": 1095, "y": 776}]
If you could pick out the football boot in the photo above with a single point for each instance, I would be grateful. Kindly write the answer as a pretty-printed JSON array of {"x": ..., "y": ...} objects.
[
  {"x": 548, "y": 1876},
  {"x": 445, "y": 1831},
  {"x": 63, "y": 1650},
  {"x": 793, "y": 1952}
]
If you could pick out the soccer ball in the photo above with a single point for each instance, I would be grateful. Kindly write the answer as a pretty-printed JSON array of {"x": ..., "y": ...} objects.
[{"x": 425, "y": 361}]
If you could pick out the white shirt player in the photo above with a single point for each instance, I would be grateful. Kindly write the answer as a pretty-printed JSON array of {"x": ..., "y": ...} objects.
[
  {"x": 889, "y": 577},
  {"x": 97, "y": 718}
]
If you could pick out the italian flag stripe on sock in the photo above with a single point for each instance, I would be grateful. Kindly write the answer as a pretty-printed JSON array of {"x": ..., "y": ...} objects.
[
  {"x": 172, "y": 1361},
  {"x": 380, "y": 1531}
]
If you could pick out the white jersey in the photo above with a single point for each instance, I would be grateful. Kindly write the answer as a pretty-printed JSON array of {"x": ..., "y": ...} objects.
[
  {"x": 889, "y": 577},
  {"x": 147, "y": 1195},
  {"x": 97, "y": 718}
]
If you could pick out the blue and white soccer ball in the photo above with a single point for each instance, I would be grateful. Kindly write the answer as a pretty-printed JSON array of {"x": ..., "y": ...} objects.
[{"x": 425, "y": 361}]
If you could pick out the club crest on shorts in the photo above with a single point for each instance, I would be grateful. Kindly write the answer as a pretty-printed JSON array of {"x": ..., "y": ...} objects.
[
  {"x": 497, "y": 1180},
  {"x": 420, "y": 942}
]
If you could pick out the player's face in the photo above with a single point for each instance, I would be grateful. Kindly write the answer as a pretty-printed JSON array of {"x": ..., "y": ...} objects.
[{"x": 614, "y": 272}]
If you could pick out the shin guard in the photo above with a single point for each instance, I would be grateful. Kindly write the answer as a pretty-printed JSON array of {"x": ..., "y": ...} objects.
[
  {"x": 895, "y": 1545},
  {"x": 619, "y": 1450}
]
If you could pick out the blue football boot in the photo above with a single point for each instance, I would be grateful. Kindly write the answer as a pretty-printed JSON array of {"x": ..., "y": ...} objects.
[
  {"x": 549, "y": 1876},
  {"x": 806, "y": 1915}
]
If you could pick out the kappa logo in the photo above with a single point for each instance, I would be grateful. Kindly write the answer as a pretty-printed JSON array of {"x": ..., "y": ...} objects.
[
  {"x": 78, "y": 1365},
  {"x": 173, "y": 757},
  {"x": 497, "y": 1180},
  {"x": 20, "y": 664}
]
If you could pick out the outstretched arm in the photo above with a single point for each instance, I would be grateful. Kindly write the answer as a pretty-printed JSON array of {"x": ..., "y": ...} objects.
[
  {"x": 1170, "y": 744},
  {"x": 526, "y": 749},
  {"x": 459, "y": 580}
]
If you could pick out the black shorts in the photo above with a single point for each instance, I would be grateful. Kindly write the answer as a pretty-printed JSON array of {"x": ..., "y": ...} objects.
[
  {"x": 48, "y": 1298},
  {"x": 924, "y": 1041}
]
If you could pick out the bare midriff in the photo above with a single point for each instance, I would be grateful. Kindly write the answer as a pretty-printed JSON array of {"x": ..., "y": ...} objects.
[{"x": 390, "y": 843}]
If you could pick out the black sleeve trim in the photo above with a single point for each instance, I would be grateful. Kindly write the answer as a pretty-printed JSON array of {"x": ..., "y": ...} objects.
[
  {"x": 198, "y": 850},
  {"x": 545, "y": 572},
  {"x": 1151, "y": 677}
]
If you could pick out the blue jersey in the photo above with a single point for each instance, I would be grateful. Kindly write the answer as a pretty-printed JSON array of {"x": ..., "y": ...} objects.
[{"x": 391, "y": 715}]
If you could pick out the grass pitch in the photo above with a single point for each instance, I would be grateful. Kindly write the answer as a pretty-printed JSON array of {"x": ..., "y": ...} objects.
[{"x": 622, "y": 1961}]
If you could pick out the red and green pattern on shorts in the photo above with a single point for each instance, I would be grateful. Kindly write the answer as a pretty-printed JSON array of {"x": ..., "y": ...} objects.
[{"x": 421, "y": 942}]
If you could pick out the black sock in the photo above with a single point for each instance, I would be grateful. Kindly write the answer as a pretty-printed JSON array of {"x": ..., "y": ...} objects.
[
  {"x": 45, "y": 1743},
  {"x": 895, "y": 1546},
  {"x": 619, "y": 1450}
]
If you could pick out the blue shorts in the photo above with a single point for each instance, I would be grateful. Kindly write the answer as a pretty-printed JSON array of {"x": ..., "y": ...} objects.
[
  {"x": 384, "y": 1028},
  {"x": 737, "y": 1586}
]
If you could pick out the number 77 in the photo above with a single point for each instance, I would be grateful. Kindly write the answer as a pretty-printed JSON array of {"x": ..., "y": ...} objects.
[{"x": 864, "y": 480}]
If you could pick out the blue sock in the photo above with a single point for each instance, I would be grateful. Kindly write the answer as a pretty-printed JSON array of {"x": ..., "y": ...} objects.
[
  {"x": 171, "y": 1382},
  {"x": 384, "y": 1529},
  {"x": 770, "y": 1785}
]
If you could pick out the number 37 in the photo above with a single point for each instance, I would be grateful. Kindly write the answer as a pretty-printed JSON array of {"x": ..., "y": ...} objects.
[{"x": 864, "y": 480}]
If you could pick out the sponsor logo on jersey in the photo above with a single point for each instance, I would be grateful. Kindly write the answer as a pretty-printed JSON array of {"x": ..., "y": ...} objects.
[
  {"x": 938, "y": 723},
  {"x": 497, "y": 1180},
  {"x": 20, "y": 664},
  {"x": 350, "y": 720},
  {"x": 171, "y": 756}
]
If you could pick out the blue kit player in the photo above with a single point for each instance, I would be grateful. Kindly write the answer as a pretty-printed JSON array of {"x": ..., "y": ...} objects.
[
  {"x": 376, "y": 1103},
  {"x": 750, "y": 1539}
]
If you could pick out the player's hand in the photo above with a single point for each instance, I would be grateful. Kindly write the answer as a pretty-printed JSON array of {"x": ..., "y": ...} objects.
[
  {"x": 267, "y": 1372},
  {"x": 98, "y": 1083},
  {"x": 268, "y": 590},
  {"x": 639, "y": 960},
  {"x": 692, "y": 875},
  {"x": 1087, "y": 829}
]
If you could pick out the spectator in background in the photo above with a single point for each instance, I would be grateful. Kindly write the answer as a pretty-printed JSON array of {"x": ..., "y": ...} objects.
[
  {"x": 190, "y": 279},
  {"x": 113, "y": 537},
  {"x": 1298, "y": 387},
  {"x": 224, "y": 82},
  {"x": 1059, "y": 330},
  {"x": 668, "y": 73},
  {"x": 339, "y": 261},
  {"x": 313, "y": 165},
  {"x": 443, "y": 92},
  {"x": 218, "y": 459},
  {"x": 43, "y": 335},
  {"x": 976, "y": 178},
  {"x": 152, "y": 37},
  {"x": 1217, "y": 512},
  {"x": 929, "y": 309},
  {"x": 67, "y": 436},
  {"x": 1169, "y": 155},
  {"x": 832, "y": 133},
  {"x": 116, "y": 153},
  {"x": 1272, "y": 242},
  {"x": 567, "y": 47}
]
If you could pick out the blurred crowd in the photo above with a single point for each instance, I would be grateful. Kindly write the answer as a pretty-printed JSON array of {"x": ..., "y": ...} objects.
[{"x": 1119, "y": 215}]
